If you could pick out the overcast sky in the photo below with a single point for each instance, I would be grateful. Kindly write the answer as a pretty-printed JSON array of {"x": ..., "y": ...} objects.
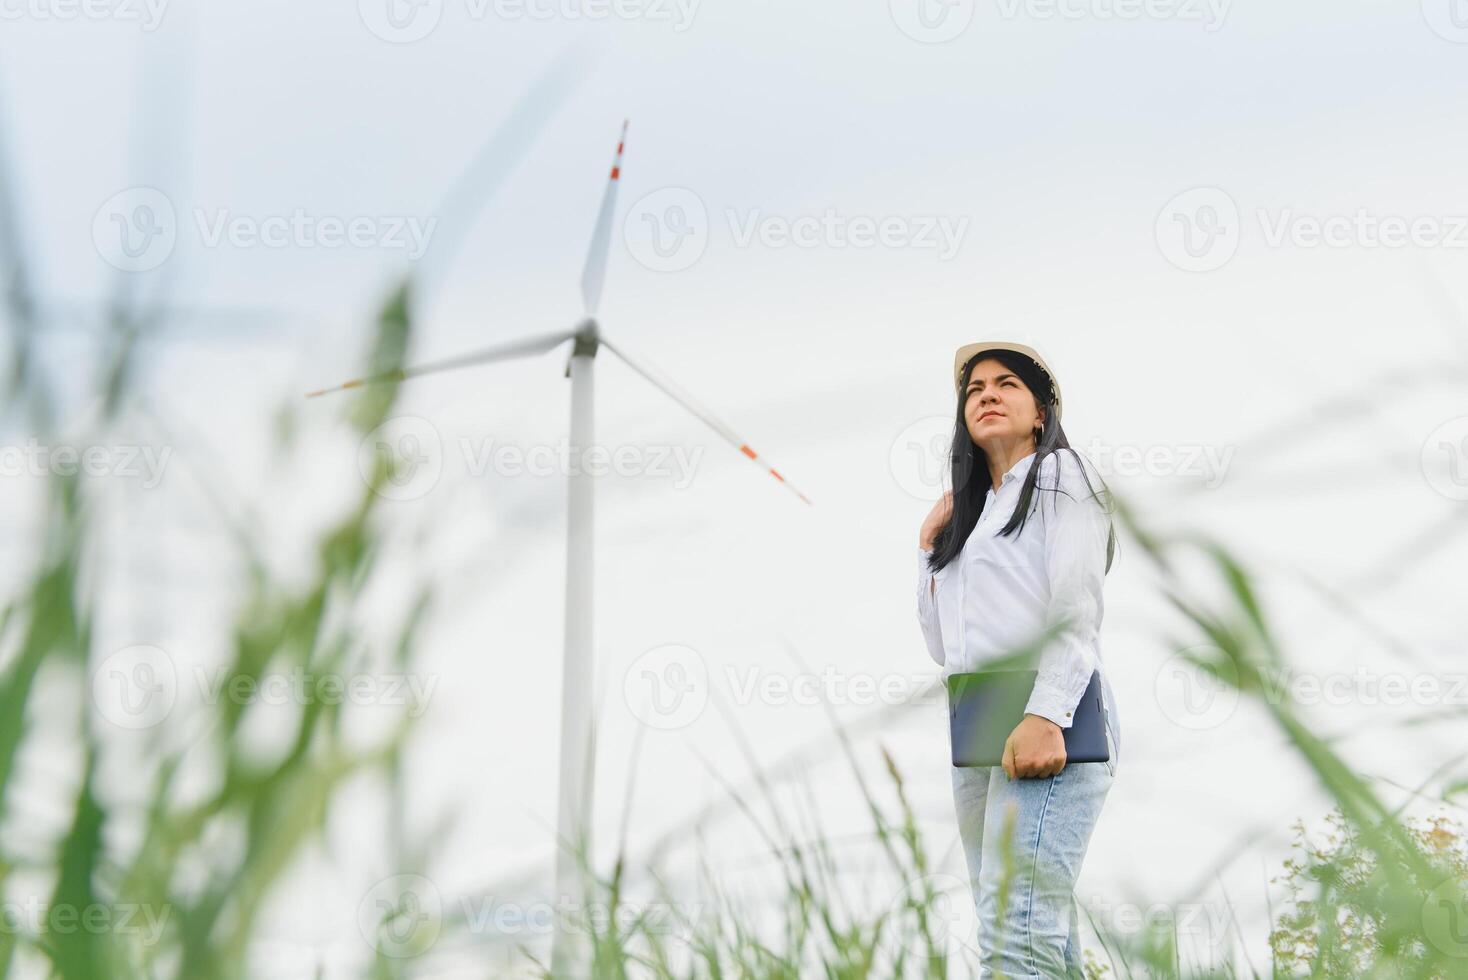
[{"x": 1208, "y": 216}]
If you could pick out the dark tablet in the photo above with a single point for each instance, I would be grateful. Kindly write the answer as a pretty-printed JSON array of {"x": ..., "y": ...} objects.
[{"x": 984, "y": 708}]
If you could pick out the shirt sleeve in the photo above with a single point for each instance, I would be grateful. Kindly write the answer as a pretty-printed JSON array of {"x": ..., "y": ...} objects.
[
  {"x": 927, "y": 606},
  {"x": 1076, "y": 533}
]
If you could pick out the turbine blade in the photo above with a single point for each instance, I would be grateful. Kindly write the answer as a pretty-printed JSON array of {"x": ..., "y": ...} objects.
[
  {"x": 500, "y": 352},
  {"x": 601, "y": 238},
  {"x": 686, "y": 400},
  {"x": 497, "y": 158},
  {"x": 1445, "y": 305}
]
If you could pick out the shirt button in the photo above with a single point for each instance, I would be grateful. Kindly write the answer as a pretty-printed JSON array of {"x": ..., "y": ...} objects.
[{"x": 1067, "y": 714}]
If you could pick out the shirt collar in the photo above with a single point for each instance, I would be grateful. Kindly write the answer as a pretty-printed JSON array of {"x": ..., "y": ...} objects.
[{"x": 1016, "y": 472}]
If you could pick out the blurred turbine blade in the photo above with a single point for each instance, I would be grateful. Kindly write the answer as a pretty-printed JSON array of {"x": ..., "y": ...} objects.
[
  {"x": 601, "y": 239},
  {"x": 1445, "y": 305},
  {"x": 497, "y": 157},
  {"x": 500, "y": 352},
  {"x": 683, "y": 398},
  {"x": 160, "y": 135},
  {"x": 17, "y": 297}
]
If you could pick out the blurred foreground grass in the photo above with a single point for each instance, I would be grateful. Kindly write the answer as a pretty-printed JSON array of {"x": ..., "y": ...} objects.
[
  {"x": 1380, "y": 894},
  {"x": 173, "y": 882}
]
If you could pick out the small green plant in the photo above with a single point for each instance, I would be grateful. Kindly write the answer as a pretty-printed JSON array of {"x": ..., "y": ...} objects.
[{"x": 1333, "y": 923}]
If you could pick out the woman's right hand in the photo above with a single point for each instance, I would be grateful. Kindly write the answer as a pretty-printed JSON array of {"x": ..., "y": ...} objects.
[{"x": 936, "y": 520}]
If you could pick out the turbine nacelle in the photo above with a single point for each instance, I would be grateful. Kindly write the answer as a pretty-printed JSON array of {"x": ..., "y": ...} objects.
[{"x": 584, "y": 342}]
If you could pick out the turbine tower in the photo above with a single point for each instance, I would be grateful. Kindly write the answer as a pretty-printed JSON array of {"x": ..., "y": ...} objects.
[{"x": 578, "y": 748}]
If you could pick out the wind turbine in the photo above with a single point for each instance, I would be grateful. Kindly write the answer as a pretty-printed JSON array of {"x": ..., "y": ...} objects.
[{"x": 578, "y": 748}]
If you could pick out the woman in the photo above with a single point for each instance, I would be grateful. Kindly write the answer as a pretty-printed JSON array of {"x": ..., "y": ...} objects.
[{"x": 1023, "y": 541}]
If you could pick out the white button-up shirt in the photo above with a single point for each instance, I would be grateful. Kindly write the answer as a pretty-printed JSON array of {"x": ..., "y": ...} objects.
[{"x": 1000, "y": 593}]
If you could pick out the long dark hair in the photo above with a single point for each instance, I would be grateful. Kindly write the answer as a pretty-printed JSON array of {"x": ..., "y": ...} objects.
[{"x": 969, "y": 464}]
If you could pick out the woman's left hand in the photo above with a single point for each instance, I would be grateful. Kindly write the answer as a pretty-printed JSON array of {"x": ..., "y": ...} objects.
[{"x": 1035, "y": 749}]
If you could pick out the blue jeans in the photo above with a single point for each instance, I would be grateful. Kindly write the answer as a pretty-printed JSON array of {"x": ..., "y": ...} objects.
[{"x": 1029, "y": 866}]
